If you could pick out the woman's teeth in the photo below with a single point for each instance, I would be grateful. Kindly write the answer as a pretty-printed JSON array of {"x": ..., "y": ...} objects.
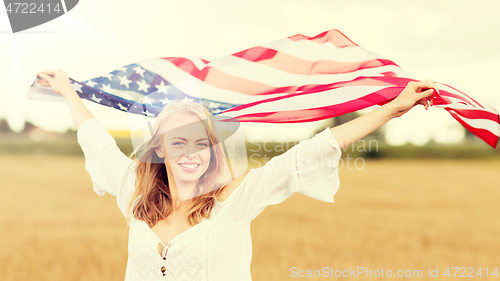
[{"x": 189, "y": 166}]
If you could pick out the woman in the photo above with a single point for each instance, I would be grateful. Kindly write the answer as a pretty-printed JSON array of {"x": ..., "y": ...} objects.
[{"x": 181, "y": 227}]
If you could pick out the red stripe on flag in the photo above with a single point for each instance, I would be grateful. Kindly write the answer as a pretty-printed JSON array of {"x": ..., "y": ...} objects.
[
  {"x": 475, "y": 114},
  {"x": 484, "y": 134},
  {"x": 219, "y": 79},
  {"x": 478, "y": 103},
  {"x": 291, "y": 64},
  {"x": 305, "y": 115},
  {"x": 256, "y": 54}
]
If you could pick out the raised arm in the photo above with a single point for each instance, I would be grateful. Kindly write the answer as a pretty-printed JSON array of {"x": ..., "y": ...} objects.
[
  {"x": 415, "y": 93},
  {"x": 59, "y": 81},
  {"x": 110, "y": 169}
]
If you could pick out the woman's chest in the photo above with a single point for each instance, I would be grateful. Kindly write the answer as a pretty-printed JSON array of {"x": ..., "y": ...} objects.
[
  {"x": 167, "y": 231},
  {"x": 185, "y": 257},
  {"x": 204, "y": 250}
]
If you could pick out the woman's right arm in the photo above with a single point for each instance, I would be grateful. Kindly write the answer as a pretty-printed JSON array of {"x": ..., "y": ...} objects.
[
  {"x": 59, "y": 81},
  {"x": 110, "y": 169}
]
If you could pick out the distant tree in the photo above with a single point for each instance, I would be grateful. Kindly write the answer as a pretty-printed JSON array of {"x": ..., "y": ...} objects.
[
  {"x": 70, "y": 133},
  {"x": 28, "y": 127},
  {"x": 5, "y": 127}
]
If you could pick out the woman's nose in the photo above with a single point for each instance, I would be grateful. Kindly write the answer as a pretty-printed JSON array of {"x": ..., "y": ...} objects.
[{"x": 190, "y": 151}]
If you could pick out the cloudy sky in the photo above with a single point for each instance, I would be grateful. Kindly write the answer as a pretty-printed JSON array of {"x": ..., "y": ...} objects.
[{"x": 455, "y": 44}]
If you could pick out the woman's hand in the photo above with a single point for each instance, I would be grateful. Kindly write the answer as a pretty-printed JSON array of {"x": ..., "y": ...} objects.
[
  {"x": 58, "y": 80},
  {"x": 415, "y": 93},
  {"x": 60, "y": 83}
]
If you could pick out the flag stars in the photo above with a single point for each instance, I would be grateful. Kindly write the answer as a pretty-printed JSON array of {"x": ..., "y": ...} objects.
[
  {"x": 77, "y": 87},
  {"x": 107, "y": 88},
  {"x": 109, "y": 76},
  {"x": 187, "y": 99},
  {"x": 149, "y": 114},
  {"x": 163, "y": 90},
  {"x": 91, "y": 83},
  {"x": 122, "y": 107},
  {"x": 143, "y": 86},
  {"x": 161, "y": 86},
  {"x": 124, "y": 69},
  {"x": 165, "y": 100},
  {"x": 147, "y": 100},
  {"x": 213, "y": 105},
  {"x": 124, "y": 81},
  {"x": 94, "y": 98},
  {"x": 139, "y": 70}
]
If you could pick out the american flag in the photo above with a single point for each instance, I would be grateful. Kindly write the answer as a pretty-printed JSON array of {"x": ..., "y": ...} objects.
[{"x": 290, "y": 80}]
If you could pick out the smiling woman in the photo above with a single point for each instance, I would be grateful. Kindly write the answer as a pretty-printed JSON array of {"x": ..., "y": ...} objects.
[
  {"x": 182, "y": 160},
  {"x": 188, "y": 213}
]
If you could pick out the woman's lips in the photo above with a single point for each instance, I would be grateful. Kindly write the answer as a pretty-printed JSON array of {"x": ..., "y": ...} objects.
[{"x": 189, "y": 167}]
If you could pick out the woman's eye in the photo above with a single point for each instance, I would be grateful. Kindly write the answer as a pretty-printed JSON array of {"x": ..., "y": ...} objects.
[
  {"x": 177, "y": 143},
  {"x": 203, "y": 144}
]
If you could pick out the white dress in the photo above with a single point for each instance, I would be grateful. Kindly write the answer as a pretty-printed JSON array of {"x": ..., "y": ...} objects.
[{"x": 218, "y": 248}]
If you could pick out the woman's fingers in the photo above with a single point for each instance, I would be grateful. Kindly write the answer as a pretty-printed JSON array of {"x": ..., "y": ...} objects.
[
  {"x": 42, "y": 82},
  {"x": 414, "y": 93},
  {"x": 46, "y": 77},
  {"x": 58, "y": 79},
  {"x": 426, "y": 98},
  {"x": 425, "y": 103},
  {"x": 422, "y": 85},
  {"x": 50, "y": 72}
]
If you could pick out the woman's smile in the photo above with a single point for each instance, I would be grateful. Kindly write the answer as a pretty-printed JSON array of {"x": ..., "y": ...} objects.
[{"x": 189, "y": 167}]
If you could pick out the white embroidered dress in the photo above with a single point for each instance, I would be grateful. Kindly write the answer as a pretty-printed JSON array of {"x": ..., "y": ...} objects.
[{"x": 218, "y": 248}]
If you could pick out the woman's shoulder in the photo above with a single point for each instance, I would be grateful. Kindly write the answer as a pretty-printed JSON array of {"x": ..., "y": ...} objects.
[{"x": 231, "y": 187}]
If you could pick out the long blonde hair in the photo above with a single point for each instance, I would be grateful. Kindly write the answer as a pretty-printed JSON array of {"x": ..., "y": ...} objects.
[{"x": 152, "y": 192}]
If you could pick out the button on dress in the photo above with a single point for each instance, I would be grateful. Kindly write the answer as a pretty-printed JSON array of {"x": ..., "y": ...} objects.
[{"x": 219, "y": 248}]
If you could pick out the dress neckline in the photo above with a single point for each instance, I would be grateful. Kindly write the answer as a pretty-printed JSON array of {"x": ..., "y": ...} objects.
[
  {"x": 201, "y": 222},
  {"x": 175, "y": 237}
]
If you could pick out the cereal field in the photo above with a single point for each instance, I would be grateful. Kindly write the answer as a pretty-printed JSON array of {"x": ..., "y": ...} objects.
[{"x": 392, "y": 214}]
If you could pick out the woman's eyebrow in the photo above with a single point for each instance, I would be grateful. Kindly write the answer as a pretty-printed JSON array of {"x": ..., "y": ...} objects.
[{"x": 186, "y": 139}]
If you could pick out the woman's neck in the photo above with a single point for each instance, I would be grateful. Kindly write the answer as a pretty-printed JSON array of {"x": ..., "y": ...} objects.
[{"x": 183, "y": 193}]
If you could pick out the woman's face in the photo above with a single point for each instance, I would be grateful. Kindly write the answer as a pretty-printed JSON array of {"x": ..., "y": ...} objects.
[{"x": 187, "y": 147}]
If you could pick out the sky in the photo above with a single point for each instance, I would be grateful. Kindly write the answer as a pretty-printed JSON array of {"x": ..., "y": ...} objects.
[{"x": 439, "y": 40}]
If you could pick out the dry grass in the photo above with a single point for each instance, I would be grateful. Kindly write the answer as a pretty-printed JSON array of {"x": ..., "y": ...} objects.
[{"x": 391, "y": 214}]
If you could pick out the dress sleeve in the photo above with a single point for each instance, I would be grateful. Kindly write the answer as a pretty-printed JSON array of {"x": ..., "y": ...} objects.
[
  {"x": 310, "y": 168},
  {"x": 110, "y": 169}
]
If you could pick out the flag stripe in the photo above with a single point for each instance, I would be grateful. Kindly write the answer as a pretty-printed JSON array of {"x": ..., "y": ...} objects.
[
  {"x": 307, "y": 114},
  {"x": 487, "y": 134},
  {"x": 293, "y": 79},
  {"x": 475, "y": 114},
  {"x": 287, "y": 63},
  {"x": 236, "y": 77}
]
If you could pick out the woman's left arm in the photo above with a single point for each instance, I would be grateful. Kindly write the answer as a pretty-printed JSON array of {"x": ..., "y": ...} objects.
[{"x": 415, "y": 93}]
